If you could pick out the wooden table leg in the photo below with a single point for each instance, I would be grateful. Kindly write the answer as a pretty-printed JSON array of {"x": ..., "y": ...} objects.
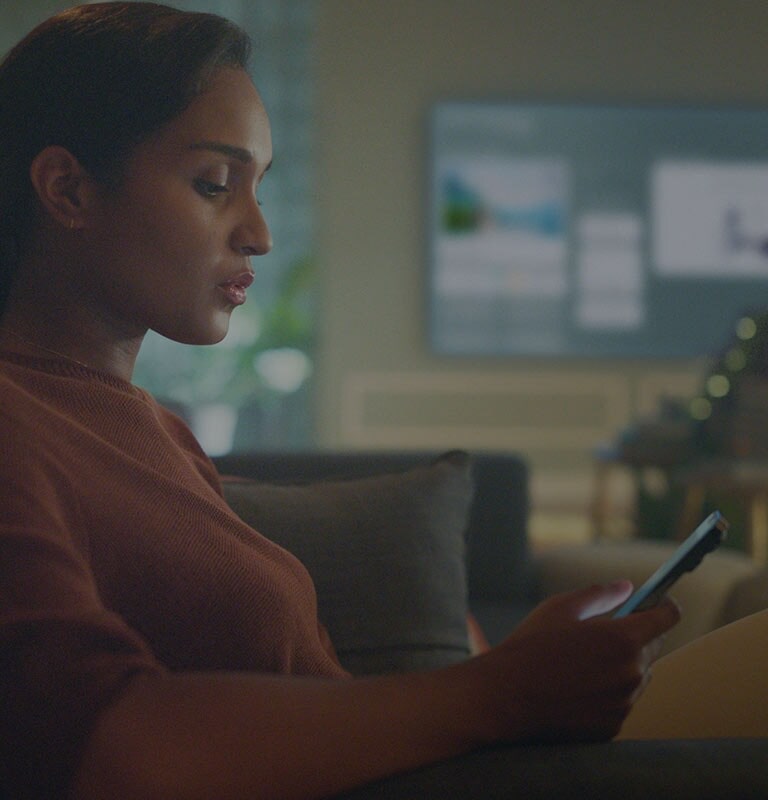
[
  {"x": 758, "y": 523},
  {"x": 599, "y": 510}
]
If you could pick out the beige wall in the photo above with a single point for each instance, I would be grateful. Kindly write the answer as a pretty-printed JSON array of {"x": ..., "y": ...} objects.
[{"x": 380, "y": 65}]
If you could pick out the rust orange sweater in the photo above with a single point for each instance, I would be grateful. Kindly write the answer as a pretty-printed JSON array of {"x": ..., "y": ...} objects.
[{"x": 118, "y": 554}]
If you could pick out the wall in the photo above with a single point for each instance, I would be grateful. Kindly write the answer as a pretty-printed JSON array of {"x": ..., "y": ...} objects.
[
  {"x": 17, "y": 18},
  {"x": 380, "y": 65}
]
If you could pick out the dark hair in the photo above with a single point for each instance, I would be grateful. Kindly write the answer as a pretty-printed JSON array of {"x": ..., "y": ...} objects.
[{"x": 98, "y": 79}]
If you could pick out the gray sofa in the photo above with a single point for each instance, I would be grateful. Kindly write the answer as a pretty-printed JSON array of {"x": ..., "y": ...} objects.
[{"x": 458, "y": 530}]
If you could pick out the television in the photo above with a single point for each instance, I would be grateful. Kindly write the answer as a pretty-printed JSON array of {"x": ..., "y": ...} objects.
[{"x": 573, "y": 230}]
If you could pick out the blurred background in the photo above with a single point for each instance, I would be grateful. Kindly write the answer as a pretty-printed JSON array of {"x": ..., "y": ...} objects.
[{"x": 332, "y": 349}]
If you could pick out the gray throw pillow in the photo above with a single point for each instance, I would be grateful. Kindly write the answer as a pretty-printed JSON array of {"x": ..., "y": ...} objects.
[{"x": 386, "y": 553}]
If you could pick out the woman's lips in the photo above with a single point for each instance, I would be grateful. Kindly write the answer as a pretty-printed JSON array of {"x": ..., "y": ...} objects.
[{"x": 235, "y": 289}]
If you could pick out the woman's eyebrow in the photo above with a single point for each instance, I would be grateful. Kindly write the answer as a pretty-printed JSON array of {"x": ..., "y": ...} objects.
[{"x": 239, "y": 153}]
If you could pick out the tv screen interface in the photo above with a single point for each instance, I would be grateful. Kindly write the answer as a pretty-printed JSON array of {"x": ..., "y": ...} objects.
[{"x": 595, "y": 231}]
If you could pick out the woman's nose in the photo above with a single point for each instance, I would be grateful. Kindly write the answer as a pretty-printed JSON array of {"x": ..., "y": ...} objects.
[{"x": 252, "y": 237}]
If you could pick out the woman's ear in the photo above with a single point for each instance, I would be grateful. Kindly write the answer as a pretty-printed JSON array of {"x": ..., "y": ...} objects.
[{"x": 62, "y": 185}]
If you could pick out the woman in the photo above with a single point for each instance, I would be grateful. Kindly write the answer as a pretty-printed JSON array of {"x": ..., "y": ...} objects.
[{"x": 153, "y": 645}]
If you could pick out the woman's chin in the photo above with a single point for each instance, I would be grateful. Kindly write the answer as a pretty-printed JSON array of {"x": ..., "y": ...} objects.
[{"x": 212, "y": 333}]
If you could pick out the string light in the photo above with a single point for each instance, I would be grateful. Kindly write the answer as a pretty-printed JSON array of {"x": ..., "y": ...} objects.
[
  {"x": 718, "y": 385},
  {"x": 735, "y": 359},
  {"x": 700, "y": 408},
  {"x": 746, "y": 328}
]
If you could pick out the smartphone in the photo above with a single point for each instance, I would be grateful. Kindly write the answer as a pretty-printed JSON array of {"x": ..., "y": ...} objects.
[{"x": 708, "y": 536}]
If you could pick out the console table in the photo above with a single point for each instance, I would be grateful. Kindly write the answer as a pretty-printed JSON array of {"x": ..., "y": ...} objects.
[
  {"x": 739, "y": 478},
  {"x": 746, "y": 479}
]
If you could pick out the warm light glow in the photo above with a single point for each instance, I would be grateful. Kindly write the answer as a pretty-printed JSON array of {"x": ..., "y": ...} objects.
[
  {"x": 735, "y": 359},
  {"x": 700, "y": 408},
  {"x": 746, "y": 328},
  {"x": 718, "y": 386}
]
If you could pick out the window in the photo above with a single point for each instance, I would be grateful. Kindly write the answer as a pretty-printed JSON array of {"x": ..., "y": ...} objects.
[{"x": 253, "y": 389}]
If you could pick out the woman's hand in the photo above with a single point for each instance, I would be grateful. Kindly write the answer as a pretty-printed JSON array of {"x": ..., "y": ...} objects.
[{"x": 570, "y": 672}]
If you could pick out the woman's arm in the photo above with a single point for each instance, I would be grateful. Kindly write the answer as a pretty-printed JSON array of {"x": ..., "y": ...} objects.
[{"x": 563, "y": 674}]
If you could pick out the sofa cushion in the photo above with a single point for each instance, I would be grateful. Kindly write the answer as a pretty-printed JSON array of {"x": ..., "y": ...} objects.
[
  {"x": 386, "y": 553},
  {"x": 712, "y": 687}
]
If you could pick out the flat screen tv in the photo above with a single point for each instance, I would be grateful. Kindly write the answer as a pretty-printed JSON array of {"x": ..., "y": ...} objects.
[{"x": 595, "y": 231}]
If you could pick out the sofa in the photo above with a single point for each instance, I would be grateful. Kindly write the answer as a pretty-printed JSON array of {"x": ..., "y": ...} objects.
[{"x": 413, "y": 553}]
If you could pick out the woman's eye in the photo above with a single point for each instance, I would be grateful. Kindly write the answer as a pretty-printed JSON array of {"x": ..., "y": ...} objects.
[{"x": 209, "y": 188}]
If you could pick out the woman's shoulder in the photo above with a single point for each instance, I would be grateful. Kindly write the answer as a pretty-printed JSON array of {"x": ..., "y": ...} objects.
[
  {"x": 16, "y": 404},
  {"x": 175, "y": 421}
]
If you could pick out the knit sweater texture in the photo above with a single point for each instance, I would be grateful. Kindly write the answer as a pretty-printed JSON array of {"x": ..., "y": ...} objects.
[{"x": 118, "y": 555}]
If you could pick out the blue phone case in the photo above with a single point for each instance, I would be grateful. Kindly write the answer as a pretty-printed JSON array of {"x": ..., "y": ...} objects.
[{"x": 703, "y": 540}]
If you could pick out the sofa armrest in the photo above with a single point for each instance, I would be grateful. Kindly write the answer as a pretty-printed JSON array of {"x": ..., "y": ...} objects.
[{"x": 706, "y": 595}]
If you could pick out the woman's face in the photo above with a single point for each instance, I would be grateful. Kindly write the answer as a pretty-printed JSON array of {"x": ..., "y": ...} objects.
[{"x": 172, "y": 244}]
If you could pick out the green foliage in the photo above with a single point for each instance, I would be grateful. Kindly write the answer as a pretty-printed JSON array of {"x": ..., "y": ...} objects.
[{"x": 229, "y": 372}]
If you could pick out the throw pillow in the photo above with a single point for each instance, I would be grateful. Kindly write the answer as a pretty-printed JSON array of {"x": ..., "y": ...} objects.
[{"x": 386, "y": 553}]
